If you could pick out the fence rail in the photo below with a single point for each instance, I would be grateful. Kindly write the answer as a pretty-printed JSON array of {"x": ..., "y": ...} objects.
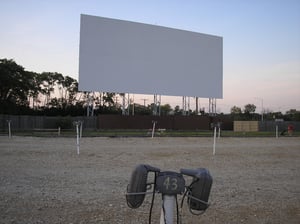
[{"x": 104, "y": 122}]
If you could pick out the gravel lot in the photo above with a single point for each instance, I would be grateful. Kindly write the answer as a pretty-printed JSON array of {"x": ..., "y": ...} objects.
[{"x": 43, "y": 180}]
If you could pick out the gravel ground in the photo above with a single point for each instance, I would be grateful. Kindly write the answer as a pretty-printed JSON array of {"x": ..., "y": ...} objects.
[{"x": 43, "y": 180}]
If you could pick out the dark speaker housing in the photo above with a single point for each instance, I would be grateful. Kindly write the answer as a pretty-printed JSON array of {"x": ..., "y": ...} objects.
[
  {"x": 138, "y": 185},
  {"x": 200, "y": 190}
]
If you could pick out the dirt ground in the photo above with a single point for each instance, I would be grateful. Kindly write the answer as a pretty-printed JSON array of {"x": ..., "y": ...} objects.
[{"x": 43, "y": 180}]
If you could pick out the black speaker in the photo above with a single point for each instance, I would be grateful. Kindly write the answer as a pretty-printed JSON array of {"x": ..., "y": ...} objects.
[
  {"x": 200, "y": 190},
  {"x": 138, "y": 185}
]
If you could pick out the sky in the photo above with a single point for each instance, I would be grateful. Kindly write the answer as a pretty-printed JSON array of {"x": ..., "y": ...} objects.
[{"x": 261, "y": 41}]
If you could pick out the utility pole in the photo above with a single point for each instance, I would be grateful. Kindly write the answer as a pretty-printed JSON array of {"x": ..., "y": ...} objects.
[
  {"x": 184, "y": 105},
  {"x": 144, "y": 102},
  {"x": 197, "y": 110},
  {"x": 212, "y": 110},
  {"x": 155, "y": 104},
  {"x": 262, "y": 107}
]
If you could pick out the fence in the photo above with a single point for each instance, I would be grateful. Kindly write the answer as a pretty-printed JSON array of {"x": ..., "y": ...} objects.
[
  {"x": 282, "y": 125},
  {"x": 145, "y": 122},
  {"x": 24, "y": 122}
]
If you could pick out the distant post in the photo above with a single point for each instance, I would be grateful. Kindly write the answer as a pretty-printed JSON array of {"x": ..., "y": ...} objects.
[
  {"x": 214, "y": 145},
  {"x": 153, "y": 128},
  {"x": 9, "y": 128},
  {"x": 77, "y": 123},
  {"x": 81, "y": 123},
  {"x": 219, "y": 129}
]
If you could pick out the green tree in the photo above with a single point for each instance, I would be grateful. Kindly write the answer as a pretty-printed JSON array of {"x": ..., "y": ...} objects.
[
  {"x": 165, "y": 109},
  {"x": 108, "y": 99},
  {"x": 15, "y": 83},
  {"x": 177, "y": 110},
  {"x": 47, "y": 86},
  {"x": 142, "y": 110},
  {"x": 292, "y": 115},
  {"x": 249, "y": 108},
  {"x": 235, "y": 110},
  {"x": 35, "y": 90},
  {"x": 71, "y": 89}
]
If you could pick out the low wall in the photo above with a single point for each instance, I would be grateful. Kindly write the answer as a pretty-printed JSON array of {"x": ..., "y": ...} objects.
[
  {"x": 245, "y": 126},
  {"x": 248, "y": 126}
]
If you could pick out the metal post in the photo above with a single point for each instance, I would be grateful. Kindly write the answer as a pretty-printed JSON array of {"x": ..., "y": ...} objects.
[
  {"x": 145, "y": 102},
  {"x": 123, "y": 104},
  {"x": 88, "y": 108},
  {"x": 262, "y": 107},
  {"x": 133, "y": 105},
  {"x": 92, "y": 104},
  {"x": 212, "y": 106},
  {"x": 214, "y": 145},
  {"x": 9, "y": 128},
  {"x": 155, "y": 103},
  {"x": 77, "y": 123},
  {"x": 128, "y": 102},
  {"x": 167, "y": 210},
  {"x": 159, "y": 104},
  {"x": 153, "y": 128},
  {"x": 184, "y": 105},
  {"x": 81, "y": 123},
  {"x": 197, "y": 110},
  {"x": 188, "y": 106}
]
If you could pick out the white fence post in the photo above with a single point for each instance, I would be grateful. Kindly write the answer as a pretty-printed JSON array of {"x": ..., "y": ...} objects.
[{"x": 214, "y": 145}]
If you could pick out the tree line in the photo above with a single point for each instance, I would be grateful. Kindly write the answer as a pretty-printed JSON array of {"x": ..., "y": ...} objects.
[
  {"x": 51, "y": 93},
  {"x": 248, "y": 113}
]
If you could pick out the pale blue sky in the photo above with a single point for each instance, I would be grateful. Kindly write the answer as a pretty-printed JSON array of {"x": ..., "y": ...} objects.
[{"x": 261, "y": 40}]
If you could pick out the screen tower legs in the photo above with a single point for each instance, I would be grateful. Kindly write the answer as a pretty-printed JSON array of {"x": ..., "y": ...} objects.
[{"x": 212, "y": 107}]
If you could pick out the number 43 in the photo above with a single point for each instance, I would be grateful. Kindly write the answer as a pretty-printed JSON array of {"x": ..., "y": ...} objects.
[{"x": 170, "y": 183}]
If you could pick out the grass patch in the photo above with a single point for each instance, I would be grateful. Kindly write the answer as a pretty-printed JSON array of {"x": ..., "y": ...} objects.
[{"x": 142, "y": 133}]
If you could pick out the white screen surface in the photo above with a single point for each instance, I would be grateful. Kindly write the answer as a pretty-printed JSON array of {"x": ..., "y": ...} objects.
[{"x": 127, "y": 57}]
